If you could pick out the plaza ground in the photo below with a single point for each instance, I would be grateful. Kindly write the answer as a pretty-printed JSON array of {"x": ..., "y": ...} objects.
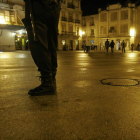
[{"x": 97, "y": 98}]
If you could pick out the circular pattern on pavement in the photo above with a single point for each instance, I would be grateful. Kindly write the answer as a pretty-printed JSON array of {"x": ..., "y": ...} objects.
[{"x": 120, "y": 82}]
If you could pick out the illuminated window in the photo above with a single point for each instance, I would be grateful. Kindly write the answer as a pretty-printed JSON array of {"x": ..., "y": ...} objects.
[
  {"x": 12, "y": 18},
  {"x": 2, "y": 20},
  {"x": 6, "y": 15}
]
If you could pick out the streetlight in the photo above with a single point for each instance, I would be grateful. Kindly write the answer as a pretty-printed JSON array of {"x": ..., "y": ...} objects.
[{"x": 132, "y": 32}]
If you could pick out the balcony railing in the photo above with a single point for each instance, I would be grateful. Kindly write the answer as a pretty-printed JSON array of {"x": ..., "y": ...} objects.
[
  {"x": 92, "y": 24},
  {"x": 64, "y": 19},
  {"x": 64, "y": 33},
  {"x": 72, "y": 33},
  {"x": 70, "y": 20},
  {"x": 69, "y": 33},
  {"x": 77, "y": 21},
  {"x": 84, "y": 24},
  {"x": 92, "y": 35},
  {"x": 70, "y": 5}
]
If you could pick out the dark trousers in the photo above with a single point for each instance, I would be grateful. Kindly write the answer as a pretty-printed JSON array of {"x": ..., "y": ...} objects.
[
  {"x": 107, "y": 49},
  {"x": 112, "y": 49},
  {"x": 43, "y": 50},
  {"x": 123, "y": 49}
]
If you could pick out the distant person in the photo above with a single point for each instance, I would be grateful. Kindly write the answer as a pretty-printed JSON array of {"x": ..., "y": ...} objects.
[
  {"x": 112, "y": 46},
  {"x": 132, "y": 47},
  {"x": 123, "y": 44},
  {"x": 87, "y": 48},
  {"x": 138, "y": 46},
  {"x": 92, "y": 46},
  {"x": 84, "y": 47},
  {"x": 107, "y": 45},
  {"x": 95, "y": 47}
]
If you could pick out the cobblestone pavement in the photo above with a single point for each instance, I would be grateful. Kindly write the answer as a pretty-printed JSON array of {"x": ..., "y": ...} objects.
[{"x": 97, "y": 98}]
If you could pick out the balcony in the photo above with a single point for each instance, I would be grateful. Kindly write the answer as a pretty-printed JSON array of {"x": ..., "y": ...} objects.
[
  {"x": 70, "y": 5},
  {"x": 64, "y": 33},
  {"x": 64, "y": 19},
  {"x": 77, "y": 21},
  {"x": 84, "y": 24},
  {"x": 70, "y": 20},
  {"x": 92, "y": 35},
  {"x": 72, "y": 33},
  {"x": 92, "y": 24}
]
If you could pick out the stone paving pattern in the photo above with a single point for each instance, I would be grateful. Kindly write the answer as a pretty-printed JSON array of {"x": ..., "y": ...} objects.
[{"x": 82, "y": 109}]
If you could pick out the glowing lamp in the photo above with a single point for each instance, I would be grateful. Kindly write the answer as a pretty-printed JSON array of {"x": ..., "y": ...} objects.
[{"x": 132, "y": 32}]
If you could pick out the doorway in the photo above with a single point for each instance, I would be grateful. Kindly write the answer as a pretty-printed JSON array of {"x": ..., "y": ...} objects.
[
  {"x": 118, "y": 45},
  {"x": 71, "y": 45},
  {"x": 77, "y": 44}
]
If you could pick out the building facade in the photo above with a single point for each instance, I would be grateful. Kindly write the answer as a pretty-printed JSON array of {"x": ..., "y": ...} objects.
[
  {"x": 116, "y": 23},
  {"x": 90, "y": 30},
  {"x": 12, "y": 33},
  {"x": 70, "y": 25}
]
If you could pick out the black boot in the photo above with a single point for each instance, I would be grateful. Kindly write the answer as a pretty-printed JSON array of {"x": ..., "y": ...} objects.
[
  {"x": 53, "y": 77},
  {"x": 46, "y": 88}
]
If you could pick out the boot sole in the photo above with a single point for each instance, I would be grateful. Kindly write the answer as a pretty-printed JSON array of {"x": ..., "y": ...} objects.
[{"x": 41, "y": 94}]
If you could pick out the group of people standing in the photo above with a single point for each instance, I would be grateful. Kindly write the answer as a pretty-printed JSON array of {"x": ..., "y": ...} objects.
[
  {"x": 123, "y": 44},
  {"x": 88, "y": 48},
  {"x": 108, "y": 44}
]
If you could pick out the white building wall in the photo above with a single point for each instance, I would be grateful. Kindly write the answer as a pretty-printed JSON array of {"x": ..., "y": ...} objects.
[{"x": 7, "y": 40}]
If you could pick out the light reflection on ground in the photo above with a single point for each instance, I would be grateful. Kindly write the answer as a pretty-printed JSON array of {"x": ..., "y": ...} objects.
[{"x": 83, "y": 83}]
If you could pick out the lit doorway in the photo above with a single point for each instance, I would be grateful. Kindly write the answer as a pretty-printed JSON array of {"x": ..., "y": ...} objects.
[
  {"x": 77, "y": 44},
  {"x": 92, "y": 44},
  {"x": 127, "y": 45},
  {"x": 71, "y": 45},
  {"x": 118, "y": 45},
  {"x": 21, "y": 42}
]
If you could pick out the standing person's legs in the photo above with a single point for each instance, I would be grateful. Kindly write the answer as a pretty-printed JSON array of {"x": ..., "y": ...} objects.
[
  {"x": 42, "y": 53},
  {"x": 112, "y": 49},
  {"x": 53, "y": 39}
]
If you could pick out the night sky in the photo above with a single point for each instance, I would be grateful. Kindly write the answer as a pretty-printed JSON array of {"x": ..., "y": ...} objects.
[{"x": 91, "y": 6}]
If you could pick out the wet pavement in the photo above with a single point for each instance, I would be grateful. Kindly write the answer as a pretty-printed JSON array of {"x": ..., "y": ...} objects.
[{"x": 98, "y": 97}]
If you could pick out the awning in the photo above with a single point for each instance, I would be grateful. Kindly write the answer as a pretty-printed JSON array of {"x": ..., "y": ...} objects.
[{"x": 11, "y": 27}]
